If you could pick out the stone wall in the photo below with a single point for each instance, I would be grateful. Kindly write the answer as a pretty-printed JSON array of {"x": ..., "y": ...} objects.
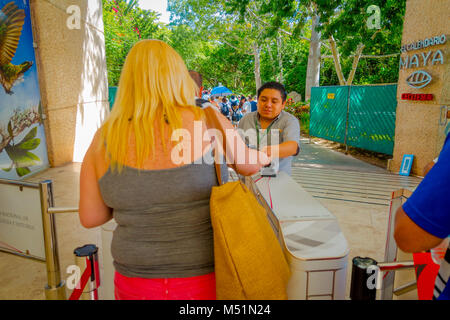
[
  {"x": 420, "y": 125},
  {"x": 72, "y": 74}
]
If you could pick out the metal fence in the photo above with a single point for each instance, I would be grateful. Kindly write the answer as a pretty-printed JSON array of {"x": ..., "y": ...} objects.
[
  {"x": 30, "y": 230},
  {"x": 358, "y": 116},
  {"x": 112, "y": 96}
]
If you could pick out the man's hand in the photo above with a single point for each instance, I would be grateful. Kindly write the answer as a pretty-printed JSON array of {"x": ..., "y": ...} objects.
[
  {"x": 267, "y": 150},
  {"x": 284, "y": 150},
  {"x": 264, "y": 158}
]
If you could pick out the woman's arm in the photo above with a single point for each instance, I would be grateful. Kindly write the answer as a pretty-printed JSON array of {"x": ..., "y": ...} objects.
[
  {"x": 93, "y": 211},
  {"x": 242, "y": 159}
]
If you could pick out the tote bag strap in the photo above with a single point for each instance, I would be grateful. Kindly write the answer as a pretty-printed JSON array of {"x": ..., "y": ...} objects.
[{"x": 212, "y": 122}]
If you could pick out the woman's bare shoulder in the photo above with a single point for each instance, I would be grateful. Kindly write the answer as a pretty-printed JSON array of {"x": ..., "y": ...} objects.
[{"x": 97, "y": 154}]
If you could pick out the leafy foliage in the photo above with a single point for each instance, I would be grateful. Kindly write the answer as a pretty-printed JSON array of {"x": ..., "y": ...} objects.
[
  {"x": 216, "y": 38},
  {"x": 125, "y": 24},
  {"x": 301, "y": 111},
  {"x": 346, "y": 21}
]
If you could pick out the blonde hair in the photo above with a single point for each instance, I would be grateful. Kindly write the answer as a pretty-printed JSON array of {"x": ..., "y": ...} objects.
[{"x": 153, "y": 86}]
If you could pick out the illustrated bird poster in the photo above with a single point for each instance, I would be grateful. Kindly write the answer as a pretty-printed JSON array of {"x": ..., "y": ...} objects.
[{"x": 23, "y": 148}]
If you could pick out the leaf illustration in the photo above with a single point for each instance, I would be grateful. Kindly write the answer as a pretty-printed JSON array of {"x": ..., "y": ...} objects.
[
  {"x": 22, "y": 171},
  {"x": 19, "y": 154},
  {"x": 30, "y": 135},
  {"x": 33, "y": 156},
  {"x": 10, "y": 131},
  {"x": 21, "y": 157},
  {"x": 29, "y": 145},
  {"x": 9, "y": 169}
]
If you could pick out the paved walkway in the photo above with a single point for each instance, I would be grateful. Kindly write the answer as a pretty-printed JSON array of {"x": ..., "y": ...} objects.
[{"x": 316, "y": 156}]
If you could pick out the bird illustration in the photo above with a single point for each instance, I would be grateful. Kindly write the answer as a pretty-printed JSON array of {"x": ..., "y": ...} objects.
[{"x": 12, "y": 20}]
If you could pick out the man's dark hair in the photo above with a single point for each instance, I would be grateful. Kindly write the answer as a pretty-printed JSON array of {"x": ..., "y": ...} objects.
[
  {"x": 197, "y": 77},
  {"x": 274, "y": 85}
]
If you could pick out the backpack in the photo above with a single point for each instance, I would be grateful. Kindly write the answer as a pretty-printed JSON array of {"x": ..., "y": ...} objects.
[
  {"x": 224, "y": 109},
  {"x": 237, "y": 115}
]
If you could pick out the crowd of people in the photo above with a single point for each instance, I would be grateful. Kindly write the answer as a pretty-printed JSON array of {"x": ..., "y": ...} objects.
[{"x": 233, "y": 107}]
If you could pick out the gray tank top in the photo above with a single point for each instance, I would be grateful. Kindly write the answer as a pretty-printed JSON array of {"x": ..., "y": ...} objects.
[{"x": 164, "y": 227}]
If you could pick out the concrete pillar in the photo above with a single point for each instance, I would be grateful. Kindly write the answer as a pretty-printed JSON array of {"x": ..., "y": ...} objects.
[
  {"x": 71, "y": 61},
  {"x": 420, "y": 125}
]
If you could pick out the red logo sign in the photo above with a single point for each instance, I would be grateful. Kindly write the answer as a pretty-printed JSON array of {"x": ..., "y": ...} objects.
[{"x": 417, "y": 96}]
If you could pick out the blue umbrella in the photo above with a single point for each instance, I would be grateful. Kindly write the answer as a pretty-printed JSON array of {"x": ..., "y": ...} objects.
[{"x": 220, "y": 91}]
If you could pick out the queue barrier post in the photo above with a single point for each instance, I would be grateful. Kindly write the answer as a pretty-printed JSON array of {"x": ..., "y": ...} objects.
[
  {"x": 359, "y": 290},
  {"x": 56, "y": 287},
  {"x": 359, "y": 285},
  {"x": 86, "y": 258}
]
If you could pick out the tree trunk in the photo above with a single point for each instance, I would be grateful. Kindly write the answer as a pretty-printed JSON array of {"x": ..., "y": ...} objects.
[
  {"x": 274, "y": 70},
  {"x": 257, "y": 52},
  {"x": 355, "y": 63},
  {"x": 313, "y": 71},
  {"x": 280, "y": 58},
  {"x": 337, "y": 61}
]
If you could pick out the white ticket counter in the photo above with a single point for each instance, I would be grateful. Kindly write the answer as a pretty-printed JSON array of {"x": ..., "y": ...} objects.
[{"x": 314, "y": 245}]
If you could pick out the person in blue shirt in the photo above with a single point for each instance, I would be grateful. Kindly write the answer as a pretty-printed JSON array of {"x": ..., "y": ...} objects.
[
  {"x": 253, "y": 104},
  {"x": 423, "y": 221}
]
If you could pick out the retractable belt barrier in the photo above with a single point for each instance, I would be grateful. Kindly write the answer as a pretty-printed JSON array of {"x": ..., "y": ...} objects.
[
  {"x": 86, "y": 258},
  {"x": 360, "y": 285}
]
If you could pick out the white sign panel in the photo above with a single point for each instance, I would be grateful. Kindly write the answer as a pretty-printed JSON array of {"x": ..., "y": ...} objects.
[{"x": 21, "y": 229}]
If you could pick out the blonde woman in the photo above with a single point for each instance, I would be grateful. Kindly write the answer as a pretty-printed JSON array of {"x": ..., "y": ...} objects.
[{"x": 163, "y": 245}]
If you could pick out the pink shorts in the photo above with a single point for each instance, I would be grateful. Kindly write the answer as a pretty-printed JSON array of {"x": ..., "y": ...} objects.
[{"x": 192, "y": 288}]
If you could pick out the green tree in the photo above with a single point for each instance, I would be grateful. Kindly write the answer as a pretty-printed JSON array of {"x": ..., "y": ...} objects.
[
  {"x": 125, "y": 24},
  {"x": 345, "y": 24},
  {"x": 348, "y": 24},
  {"x": 215, "y": 21},
  {"x": 291, "y": 18}
]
